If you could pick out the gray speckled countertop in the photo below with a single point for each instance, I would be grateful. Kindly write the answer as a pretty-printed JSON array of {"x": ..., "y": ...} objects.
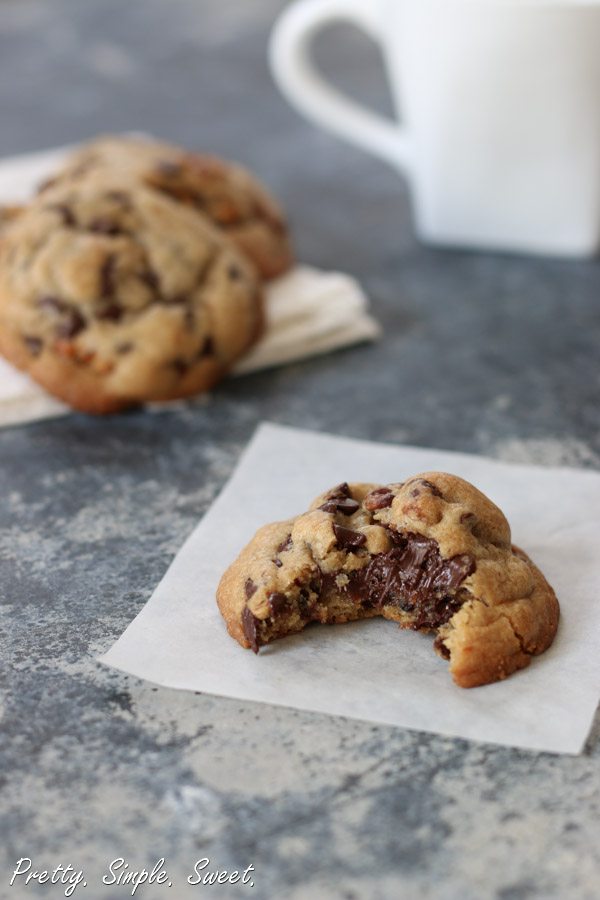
[{"x": 488, "y": 354}]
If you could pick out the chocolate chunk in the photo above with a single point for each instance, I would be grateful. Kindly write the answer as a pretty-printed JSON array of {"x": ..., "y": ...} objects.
[
  {"x": 285, "y": 545},
  {"x": 277, "y": 603},
  {"x": 208, "y": 347},
  {"x": 150, "y": 278},
  {"x": 113, "y": 312},
  {"x": 429, "y": 485},
  {"x": 104, "y": 225},
  {"x": 33, "y": 344},
  {"x": 65, "y": 212},
  {"x": 70, "y": 320},
  {"x": 304, "y": 604},
  {"x": 316, "y": 584},
  {"x": 440, "y": 647},
  {"x": 71, "y": 325},
  {"x": 107, "y": 276},
  {"x": 415, "y": 577},
  {"x": 380, "y": 498},
  {"x": 346, "y": 506},
  {"x": 348, "y": 539},
  {"x": 250, "y": 588},
  {"x": 412, "y": 576},
  {"x": 249, "y": 624},
  {"x": 180, "y": 365},
  {"x": 342, "y": 490}
]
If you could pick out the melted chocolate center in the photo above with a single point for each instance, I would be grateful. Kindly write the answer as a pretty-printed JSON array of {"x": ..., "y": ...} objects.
[{"x": 412, "y": 576}]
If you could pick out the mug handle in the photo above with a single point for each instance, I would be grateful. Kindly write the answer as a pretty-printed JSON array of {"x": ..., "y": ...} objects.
[{"x": 299, "y": 81}]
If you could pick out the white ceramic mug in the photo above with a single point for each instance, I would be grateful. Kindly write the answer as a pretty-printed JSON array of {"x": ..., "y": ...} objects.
[{"x": 499, "y": 112}]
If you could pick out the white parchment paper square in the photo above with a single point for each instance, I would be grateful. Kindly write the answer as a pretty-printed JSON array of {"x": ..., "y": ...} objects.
[{"x": 373, "y": 670}]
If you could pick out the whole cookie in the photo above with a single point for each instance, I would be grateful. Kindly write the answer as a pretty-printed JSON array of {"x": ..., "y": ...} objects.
[
  {"x": 432, "y": 554},
  {"x": 112, "y": 297},
  {"x": 223, "y": 191}
]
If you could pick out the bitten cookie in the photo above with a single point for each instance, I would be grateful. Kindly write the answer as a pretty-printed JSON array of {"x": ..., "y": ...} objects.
[
  {"x": 432, "y": 554},
  {"x": 110, "y": 297},
  {"x": 223, "y": 191}
]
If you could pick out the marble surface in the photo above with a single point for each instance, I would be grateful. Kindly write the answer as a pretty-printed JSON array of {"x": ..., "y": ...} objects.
[{"x": 489, "y": 354}]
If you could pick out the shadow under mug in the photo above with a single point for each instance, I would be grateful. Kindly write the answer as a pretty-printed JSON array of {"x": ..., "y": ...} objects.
[{"x": 499, "y": 131}]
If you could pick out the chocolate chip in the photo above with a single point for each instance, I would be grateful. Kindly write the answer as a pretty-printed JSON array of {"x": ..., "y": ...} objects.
[
  {"x": 285, "y": 545},
  {"x": 72, "y": 324},
  {"x": 104, "y": 225},
  {"x": 150, "y": 278},
  {"x": 440, "y": 647},
  {"x": 250, "y": 588},
  {"x": 380, "y": 498},
  {"x": 33, "y": 344},
  {"x": 316, "y": 584},
  {"x": 125, "y": 347},
  {"x": 468, "y": 517},
  {"x": 346, "y": 506},
  {"x": 429, "y": 485},
  {"x": 234, "y": 272},
  {"x": 277, "y": 603},
  {"x": 65, "y": 213},
  {"x": 180, "y": 365},
  {"x": 249, "y": 624},
  {"x": 107, "y": 276},
  {"x": 112, "y": 313},
  {"x": 348, "y": 539},
  {"x": 342, "y": 490},
  {"x": 208, "y": 347},
  {"x": 178, "y": 299},
  {"x": 304, "y": 606},
  {"x": 278, "y": 563}
]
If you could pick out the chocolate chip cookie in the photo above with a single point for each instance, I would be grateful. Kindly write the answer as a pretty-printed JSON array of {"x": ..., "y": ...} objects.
[
  {"x": 110, "y": 297},
  {"x": 223, "y": 191},
  {"x": 432, "y": 554}
]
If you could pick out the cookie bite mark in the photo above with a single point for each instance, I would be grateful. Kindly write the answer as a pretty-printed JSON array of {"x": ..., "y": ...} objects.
[{"x": 367, "y": 550}]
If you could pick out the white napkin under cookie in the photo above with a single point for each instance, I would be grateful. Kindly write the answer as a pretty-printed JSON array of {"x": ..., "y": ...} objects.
[
  {"x": 372, "y": 670},
  {"x": 309, "y": 312}
]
